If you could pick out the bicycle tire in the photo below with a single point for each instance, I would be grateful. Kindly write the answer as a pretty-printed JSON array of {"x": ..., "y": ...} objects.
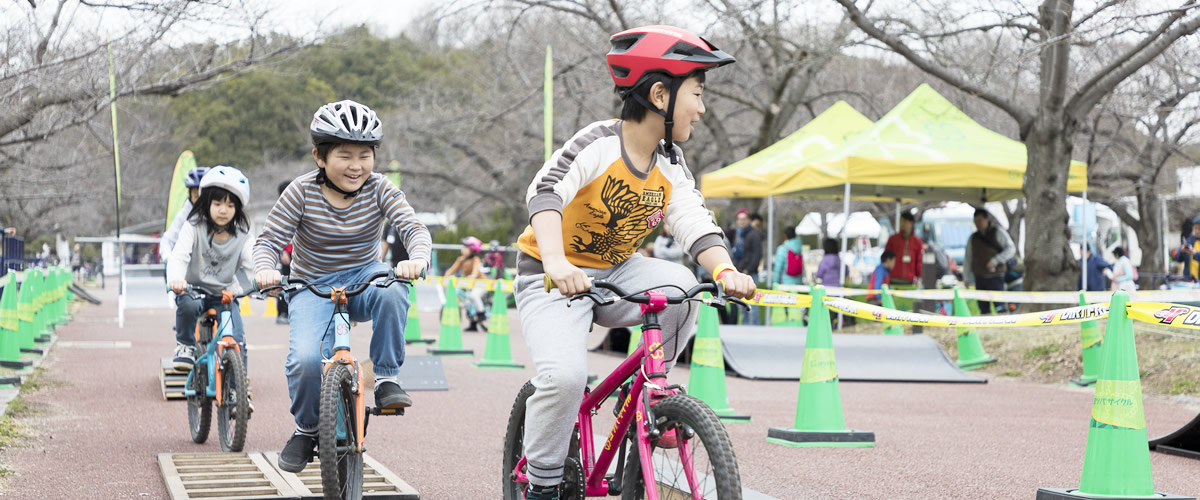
[
  {"x": 341, "y": 463},
  {"x": 199, "y": 408},
  {"x": 719, "y": 464},
  {"x": 235, "y": 409},
  {"x": 514, "y": 450}
]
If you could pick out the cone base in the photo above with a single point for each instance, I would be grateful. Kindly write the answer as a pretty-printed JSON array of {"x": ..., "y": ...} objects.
[
  {"x": 733, "y": 418},
  {"x": 800, "y": 438},
  {"x": 1074, "y": 493},
  {"x": 38, "y": 352},
  {"x": 1085, "y": 381},
  {"x": 18, "y": 364},
  {"x": 10, "y": 381},
  {"x": 450, "y": 352},
  {"x": 43, "y": 339},
  {"x": 498, "y": 365},
  {"x": 975, "y": 363},
  {"x": 418, "y": 341}
]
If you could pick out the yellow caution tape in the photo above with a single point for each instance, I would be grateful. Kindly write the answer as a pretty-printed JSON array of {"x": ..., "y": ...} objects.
[
  {"x": 1176, "y": 315},
  {"x": 467, "y": 284},
  {"x": 772, "y": 298},
  {"x": 1006, "y": 296},
  {"x": 1055, "y": 317}
]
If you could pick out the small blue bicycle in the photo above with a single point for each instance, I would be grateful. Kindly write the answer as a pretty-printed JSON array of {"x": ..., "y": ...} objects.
[{"x": 219, "y": 375}]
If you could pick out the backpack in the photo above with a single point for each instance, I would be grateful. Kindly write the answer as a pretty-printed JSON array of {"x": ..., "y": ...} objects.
[{"x": 795, "y": 264}]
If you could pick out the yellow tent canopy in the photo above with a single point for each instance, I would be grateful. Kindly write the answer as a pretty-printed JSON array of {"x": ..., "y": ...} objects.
[
  {"x": 752, "y": 176},
  {"x": 925, "y": 149}
]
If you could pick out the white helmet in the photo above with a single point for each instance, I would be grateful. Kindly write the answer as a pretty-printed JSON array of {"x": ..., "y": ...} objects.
[
  {"x": 230, "y": 179},
  {"x": 346, "y": 121}
]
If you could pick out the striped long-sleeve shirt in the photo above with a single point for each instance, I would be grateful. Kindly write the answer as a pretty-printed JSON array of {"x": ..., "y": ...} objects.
[{"x": 328, "y": 239}]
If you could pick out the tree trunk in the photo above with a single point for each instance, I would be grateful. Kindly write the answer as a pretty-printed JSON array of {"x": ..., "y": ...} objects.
[
  {"x": 1049, "y": 263},
  {"x": 1150, "y": 231}
]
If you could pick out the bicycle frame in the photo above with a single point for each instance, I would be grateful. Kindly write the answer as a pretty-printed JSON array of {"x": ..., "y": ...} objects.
[
  {"x": 215, "y": 350},
  {"x": 652, "y": 375},
  {"x": 342, "y": 356}
]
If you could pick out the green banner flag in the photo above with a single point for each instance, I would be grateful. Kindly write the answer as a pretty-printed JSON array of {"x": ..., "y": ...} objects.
[
  {"x": 179, "y": 190},
  {"x": 548, "y": 91}
]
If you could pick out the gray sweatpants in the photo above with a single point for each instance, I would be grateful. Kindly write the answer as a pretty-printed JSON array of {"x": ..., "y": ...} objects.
[{"x": 557, "y": 340}]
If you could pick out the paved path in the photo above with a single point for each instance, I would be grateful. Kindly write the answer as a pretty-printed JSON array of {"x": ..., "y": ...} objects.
[{"x": 104, "y": 421}]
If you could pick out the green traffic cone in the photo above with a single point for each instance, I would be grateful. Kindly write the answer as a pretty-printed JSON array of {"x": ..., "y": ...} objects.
[
  {"x": 706, "y": 379},
  {"x": 635, "y": 339},
  {"x": 1116, "y": 463},
  {"x": 1093, "y": 342},
  {"x": 41, "y": 308},
  {"x": 27, "y": 313},
  {"x": 970, "y": 351},
  {"x": 450, "y": 340},
  {"x": 10, "y": 334},
  {"x": 819, "y": 420},
  {"x": 891, "y": 328},
  {"x": 498, "y": 352},
  {"x": 412, "y": 328}
]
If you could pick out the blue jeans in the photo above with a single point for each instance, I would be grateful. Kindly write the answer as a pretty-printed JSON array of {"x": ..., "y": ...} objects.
[
  {"x": 188, "y": 311},
  {"x": 311, "y": 337}
]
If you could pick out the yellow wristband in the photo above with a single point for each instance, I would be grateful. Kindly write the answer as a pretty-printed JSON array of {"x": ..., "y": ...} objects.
[{"x": 721, "y": 268}]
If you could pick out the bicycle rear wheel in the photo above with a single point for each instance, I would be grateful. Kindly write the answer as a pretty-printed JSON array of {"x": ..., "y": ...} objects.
[
  {"x": 514, "y": 449},
  {"x": 337, "y": 441},
  {"x": 233, "y": 414},
  {"x": 199, "y": 409},
  {"x": 710, "y": 453}
]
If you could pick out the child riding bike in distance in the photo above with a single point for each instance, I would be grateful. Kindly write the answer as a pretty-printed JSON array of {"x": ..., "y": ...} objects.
[
  {"x": 333, "y": 216},
  {"x": 469, "y": 265},
  {"x": 213, "y": 245},
  {"x": 590, "y": 207}
]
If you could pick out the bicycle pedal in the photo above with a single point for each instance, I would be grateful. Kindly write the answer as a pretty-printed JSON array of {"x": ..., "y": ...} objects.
[{"x": 385, "y": 411}]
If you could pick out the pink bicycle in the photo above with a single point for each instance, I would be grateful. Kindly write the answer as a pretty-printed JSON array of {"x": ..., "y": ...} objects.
[{"x": 673, "y": 441}]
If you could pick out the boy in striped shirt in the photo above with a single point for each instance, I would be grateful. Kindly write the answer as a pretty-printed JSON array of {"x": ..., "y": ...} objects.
[{"x": 332, "y": 216}]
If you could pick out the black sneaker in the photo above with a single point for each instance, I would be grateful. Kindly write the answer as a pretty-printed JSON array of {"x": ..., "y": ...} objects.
[
  {"x": 535, "y": 492},
  {"x": 390, "y": 395},
  {"x": 297, "y": 453}
]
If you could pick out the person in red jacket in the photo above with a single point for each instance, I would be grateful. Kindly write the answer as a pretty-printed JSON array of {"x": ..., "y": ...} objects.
[{"x": 908, "y": 249}]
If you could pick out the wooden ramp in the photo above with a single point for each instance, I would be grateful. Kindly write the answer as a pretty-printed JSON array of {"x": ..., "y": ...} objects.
[
  {"x": 221, "y": 475},
  {"x": 171, "y": 380},
  {"x": 378, "y": 482}
]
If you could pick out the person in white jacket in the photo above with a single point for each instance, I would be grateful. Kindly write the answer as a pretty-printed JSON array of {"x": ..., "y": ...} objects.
[{"x": 213, "y": 245}]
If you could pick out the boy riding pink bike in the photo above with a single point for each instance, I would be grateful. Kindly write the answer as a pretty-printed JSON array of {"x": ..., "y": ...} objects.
[{"x": 591, "y": 205}]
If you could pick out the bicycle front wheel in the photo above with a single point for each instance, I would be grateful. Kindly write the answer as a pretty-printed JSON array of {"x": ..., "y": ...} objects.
[
  {"x": 233, "y": 414},
  {"x": 709, "y": 453},
  {"x": 572, "y": 487},
  {"x": 199, "y": 409},
  {"x": 337, "y": 441}
]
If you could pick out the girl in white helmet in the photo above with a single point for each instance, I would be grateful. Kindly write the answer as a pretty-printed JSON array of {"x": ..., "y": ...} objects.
[{"x": 213, "y": 245}]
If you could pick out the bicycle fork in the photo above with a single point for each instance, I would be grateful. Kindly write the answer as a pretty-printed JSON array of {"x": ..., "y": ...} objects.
[{"x": 342, "y": 356}]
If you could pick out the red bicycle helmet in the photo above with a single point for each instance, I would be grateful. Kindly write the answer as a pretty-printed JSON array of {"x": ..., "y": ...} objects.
[
  {"x": 673, "y": 51},
  {"x": 664, "y": 49}
]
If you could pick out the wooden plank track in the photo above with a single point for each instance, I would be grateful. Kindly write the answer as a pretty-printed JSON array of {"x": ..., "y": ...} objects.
[
  {"x": 173, "y": 381},
  {"x": 222, "y": 475},
  {"x": 378, "y": 482}
]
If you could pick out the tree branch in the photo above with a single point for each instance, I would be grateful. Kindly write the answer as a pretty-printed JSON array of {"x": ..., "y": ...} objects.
[{"x": 1021, "y": 116}]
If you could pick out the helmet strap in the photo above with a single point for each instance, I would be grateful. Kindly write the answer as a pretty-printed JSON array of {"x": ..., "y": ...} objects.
[
  {"x": 324, "y": 180},
  {"x": 668, "y": 115}
]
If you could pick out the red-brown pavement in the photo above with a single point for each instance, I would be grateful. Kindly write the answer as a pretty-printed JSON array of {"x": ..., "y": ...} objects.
[{"x": 103, "y": 424}]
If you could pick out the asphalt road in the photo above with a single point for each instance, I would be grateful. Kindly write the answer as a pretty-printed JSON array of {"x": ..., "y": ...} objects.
[{"x": 102, "y": 422}]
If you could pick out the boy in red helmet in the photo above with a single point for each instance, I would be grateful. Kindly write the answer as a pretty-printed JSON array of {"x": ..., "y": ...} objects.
[{"x": 590, "y": 207}]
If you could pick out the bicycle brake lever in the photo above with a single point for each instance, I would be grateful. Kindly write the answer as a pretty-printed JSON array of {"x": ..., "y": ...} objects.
[{"x": 739, "y": 302}]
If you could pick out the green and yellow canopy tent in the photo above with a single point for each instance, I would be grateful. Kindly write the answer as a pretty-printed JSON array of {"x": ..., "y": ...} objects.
[{"x": 923, "y": 149}]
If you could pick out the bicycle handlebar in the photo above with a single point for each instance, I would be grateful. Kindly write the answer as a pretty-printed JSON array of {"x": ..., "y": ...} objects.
[
  {"x": 352, "y": 289},
  {"x": 716, "y": 288},
  {"x": 200, "y": 292}
]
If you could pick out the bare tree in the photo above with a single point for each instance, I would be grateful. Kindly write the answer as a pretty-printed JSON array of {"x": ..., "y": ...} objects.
[
  {"x": 1065, "y": 93},
  {"x": 1132, "y": 139},
  {"x": 54, "y": 86}
]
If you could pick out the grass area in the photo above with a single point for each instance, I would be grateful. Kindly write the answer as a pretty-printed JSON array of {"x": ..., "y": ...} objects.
[
  {"x": 11, "y": 430},
  {"x": 1168, "y": 359}
]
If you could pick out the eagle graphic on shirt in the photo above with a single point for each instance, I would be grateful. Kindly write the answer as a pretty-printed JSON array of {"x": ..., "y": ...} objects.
[{"x": 619, "y": 227}]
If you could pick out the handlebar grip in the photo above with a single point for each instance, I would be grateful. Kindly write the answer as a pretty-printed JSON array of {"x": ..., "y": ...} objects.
[{"x": 548, "y": 283}]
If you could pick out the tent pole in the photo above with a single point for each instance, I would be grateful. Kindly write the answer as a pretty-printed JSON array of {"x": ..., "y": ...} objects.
[
  {"x": 770, "y": 250},
  {"x": 845, "y": 224},
  {"x": 1083, "y": 249}
]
